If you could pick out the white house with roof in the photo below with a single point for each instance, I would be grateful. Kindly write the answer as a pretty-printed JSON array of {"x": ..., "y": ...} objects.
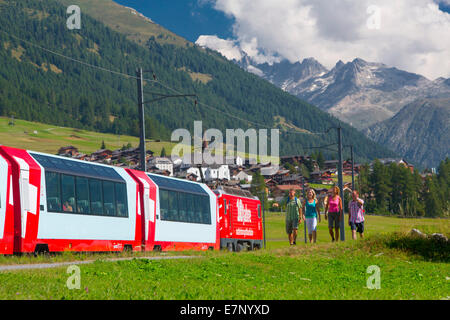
[
  {"x": 163, "y": 163},
  {"x": 211, "y": 172},
  {"x": 242, "y": 175}
]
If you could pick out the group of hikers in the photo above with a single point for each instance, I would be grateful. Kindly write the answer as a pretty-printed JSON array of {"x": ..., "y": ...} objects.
[{"x": 309, "y": 212}]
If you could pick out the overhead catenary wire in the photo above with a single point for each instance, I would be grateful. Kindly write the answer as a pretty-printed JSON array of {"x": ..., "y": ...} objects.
[
  {"x": 154, "y": 80},
  {"x": 73, "y": 59}
]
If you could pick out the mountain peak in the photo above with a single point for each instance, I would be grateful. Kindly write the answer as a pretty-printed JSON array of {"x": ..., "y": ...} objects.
[
  {"x": 359, "y": 61},
  {"x": 339, "y": 64}
]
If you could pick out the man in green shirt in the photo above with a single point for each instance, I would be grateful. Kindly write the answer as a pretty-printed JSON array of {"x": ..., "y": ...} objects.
[{"x": 293, "y": 216}]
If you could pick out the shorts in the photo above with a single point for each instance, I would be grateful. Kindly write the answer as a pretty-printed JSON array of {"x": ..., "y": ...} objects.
[
  {"x": 359, "y": 227},
  {"x": 333, "y": 220},
  {"x": 311, "y": 224},
  {"x": 291, "y": 225}
]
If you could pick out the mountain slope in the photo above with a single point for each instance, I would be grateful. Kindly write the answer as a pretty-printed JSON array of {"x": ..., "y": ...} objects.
[
  {"x": 420, "y": 131},
  {"x": 37, "y": 85},
  {"x": 358, "y": 92},
  {"x": 127, "y": 21}
]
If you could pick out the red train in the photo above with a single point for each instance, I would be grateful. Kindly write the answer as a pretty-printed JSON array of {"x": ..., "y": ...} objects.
[
  {"x": 239, "y": 220},
  {"x": 51, "y": 204}
]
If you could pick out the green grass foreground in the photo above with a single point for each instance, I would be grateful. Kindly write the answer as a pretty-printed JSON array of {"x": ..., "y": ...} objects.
[{"x": 321, "y": 271}]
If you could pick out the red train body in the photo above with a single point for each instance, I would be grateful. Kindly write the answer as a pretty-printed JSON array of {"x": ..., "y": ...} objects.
[
  {"x": 52, "y": 203},
  {"x": 240, "y": 220}
]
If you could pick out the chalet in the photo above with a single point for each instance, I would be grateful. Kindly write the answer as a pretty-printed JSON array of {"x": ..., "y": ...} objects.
[
  {"x": 282, "y": 190},
  {"x": 294, "y": 159},
  {"x": 68, "y": 151},
  {"x": 270, "y": 171},
  {"x": 242, "y": 175},
  {"x": 102, "y": 154},
  {"x": 292, "y": 179},
  {"x": 321, "y": 177},
  {"x": 270, "y": 184},
  {"x": 398, "y": 161},
  {"x": 331, "y": 164}
]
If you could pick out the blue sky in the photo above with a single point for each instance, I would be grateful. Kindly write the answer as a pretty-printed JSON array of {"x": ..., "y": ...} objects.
[
  {"x": 412, "y": 35},
  {"x": 187, "y": 18}
]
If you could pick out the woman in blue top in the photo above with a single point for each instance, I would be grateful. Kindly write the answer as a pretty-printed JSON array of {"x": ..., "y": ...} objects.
[{"x": 312, "y": 212}]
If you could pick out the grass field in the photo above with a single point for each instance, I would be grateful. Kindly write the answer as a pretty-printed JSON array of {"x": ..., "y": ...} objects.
[
  {"x": 322, "y": 271},
  {"x": 47, "y": 138}
]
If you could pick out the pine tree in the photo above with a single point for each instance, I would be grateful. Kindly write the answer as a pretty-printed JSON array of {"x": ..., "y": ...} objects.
[
  {"x": 433, "y": 203},
  {"x": 320, "y": 160},
  {"x": 258, "y": 187}
]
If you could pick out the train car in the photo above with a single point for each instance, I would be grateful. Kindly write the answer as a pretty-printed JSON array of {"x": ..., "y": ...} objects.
[
  {"x": 6, "y": 208},
  {"x": 51, "y": 204},
  {"x": 179, "y": 214},
  {"x": 64, "y": 204},
  {"x": 240, "y": 222}
]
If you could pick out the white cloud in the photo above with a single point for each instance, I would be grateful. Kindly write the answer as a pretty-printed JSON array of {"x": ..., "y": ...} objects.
[
  {"x": 227, "y": 48},
  {"x": 413, "y": 34}
]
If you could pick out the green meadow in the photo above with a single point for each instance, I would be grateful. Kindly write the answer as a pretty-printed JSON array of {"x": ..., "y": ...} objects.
[
  {"x": 47, "y": 138},
  {"x": 409, "y": 269}
]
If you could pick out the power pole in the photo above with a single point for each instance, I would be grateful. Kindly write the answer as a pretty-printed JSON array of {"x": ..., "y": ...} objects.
[
  {"x": 140, "y": 86},
  {"x": 264, "y": 219},
  {"x": 353, "y": 169},
  {"x": 304, "y": 199},
  {"x": 340, "y": 180},
  {"x": 261, "y": 195}
]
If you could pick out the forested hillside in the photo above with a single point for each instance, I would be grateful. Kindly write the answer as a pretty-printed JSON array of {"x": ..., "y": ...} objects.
[
  {"x": 42, "y": 86},
  {"x": 420, "y": 131}
]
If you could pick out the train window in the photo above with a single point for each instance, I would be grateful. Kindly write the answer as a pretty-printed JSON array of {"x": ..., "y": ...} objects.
[
  {"x": 53, "y": 191},
  {"x": 164, "y": 204},
  {"x": 82, "y": 190},
  {"x": 196, "y": 209},
  {"x": 182, "y": 206},
  {"x": 190, "y": 207},
  {"x": 173, "y": 206},
  {"x": 95, "y": 191},
  {"x": 206, "y": 210},
  {"x": 68, "y": 193},
  {"x": 109, "y": 201},
  {"x": 121, "y": 199}
]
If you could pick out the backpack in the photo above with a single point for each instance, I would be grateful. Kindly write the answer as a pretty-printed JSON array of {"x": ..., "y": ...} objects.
[{"x": 296, "y": 202}]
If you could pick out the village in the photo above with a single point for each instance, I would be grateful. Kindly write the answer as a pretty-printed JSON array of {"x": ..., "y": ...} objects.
[{"x": 294, "y": 172}]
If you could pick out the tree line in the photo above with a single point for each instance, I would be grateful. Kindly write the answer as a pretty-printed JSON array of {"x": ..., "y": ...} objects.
[
  {"x": 82, "y": 97},
  {"x": 395, "y": 190}
]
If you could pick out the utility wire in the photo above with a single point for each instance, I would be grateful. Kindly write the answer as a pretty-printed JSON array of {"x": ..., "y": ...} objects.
[
  {"x": 73, "y": 59},
  {"x": 153, "y": 81}
]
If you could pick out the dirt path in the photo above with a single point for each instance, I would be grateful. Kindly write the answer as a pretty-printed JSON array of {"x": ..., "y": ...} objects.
[{"x": 68, "y": 263}]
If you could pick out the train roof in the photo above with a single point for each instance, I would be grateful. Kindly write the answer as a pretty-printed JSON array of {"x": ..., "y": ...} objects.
[
  {"x": 235, "y": 192},
  {"x": 174, "y": 184},
  {"x": 76, "y": 167}
]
